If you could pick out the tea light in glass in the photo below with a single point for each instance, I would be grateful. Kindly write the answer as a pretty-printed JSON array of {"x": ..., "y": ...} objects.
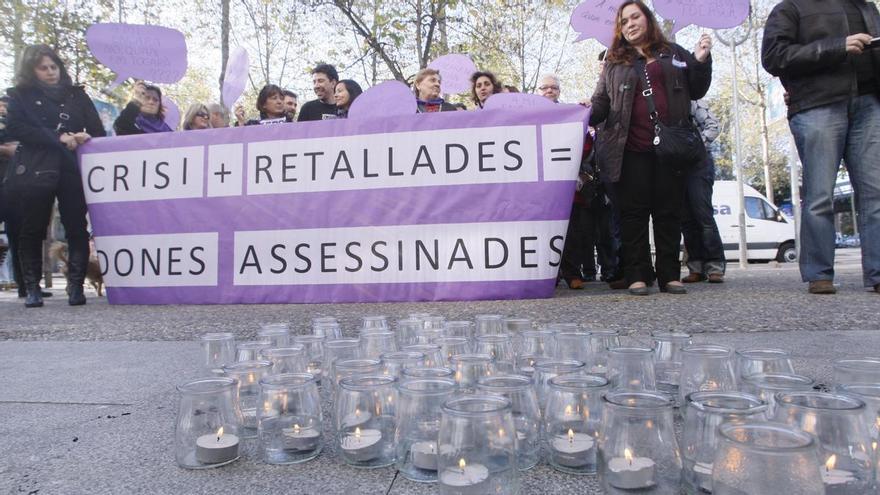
[
  {"x": 433, "y": 354},
  {"x": 600, "y": 341},
  {"x": 488, "y": 324},
  {"x": 459, "y": 328},
  {"x": 546, "y": 369},
  {"x": 425, "y": 372},
  {"x": 314, "y": 350},
  {"x": 206, "y": 433},
  {"x": 278, "y": 334},
  {"x": 372, "y": 323},
  {"x": 393, "y": 363},
  {"x": 573, "y": 345},
  {"x": 763, "y": 360},
  {"x": 290, "y": 423},
  {"x": 218, "y": 350},
  {"x": 291, "y": 359},
  {"x": 631, "y": 368},
  {"x": 572, "y": 420},
  {"x": 453, "y": 346},
  {"x": 856, "y": 371},
  {"x": 500, "y": 348},
  {"x": 537, "y": 342},
  {"x": 248, "y": 375},
  {"x": 368, "y": 444},
  {"x": 375, "y": 343},
  {"x": 418, "y": 425},
  {"x": 667, "y": 360},
  {"x": 525, "y": 410},
  {"x": 469, "y": 368},
  {"x": 406, "y": 331},
  {"x": 250, "y": 350},
  {"x": 706, "y": 367}
]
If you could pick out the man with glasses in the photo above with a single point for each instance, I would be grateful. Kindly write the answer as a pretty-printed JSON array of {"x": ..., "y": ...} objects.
[{"x": 549, "y": 87}]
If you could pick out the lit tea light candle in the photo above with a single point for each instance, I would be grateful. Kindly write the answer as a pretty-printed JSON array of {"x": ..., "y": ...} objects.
[
  {"x": 630, "y": 473},
  {"x": 598, "y": 369},
  {"x": 836, "y": 480},
  {"x": 216, "y": 448},
  {"x": 466, "y": 479},
  {"x": 363, "y": 445},
  {"x": 424, "y": 455},
  {"x": 300, "y": 438},
  {"x": 703, "y": 472},
  {"x": 357, "y": 418},
  {"x": 573, "y": 450}
]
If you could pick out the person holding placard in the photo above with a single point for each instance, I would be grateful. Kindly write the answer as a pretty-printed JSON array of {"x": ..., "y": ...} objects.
[
  {"x": 826, "y": 54},
  {"x": 346, "y": 92},
  {"x": 483, "y": 85},
  {"x": 645, "y": 71},
  {"x": 144, "y": 113},
  {"x": 324, "y": 79},
  {"x": 427, "y": 89},
  {"x": 50, "y": 117},
  {"x": 270, "y": 104}
]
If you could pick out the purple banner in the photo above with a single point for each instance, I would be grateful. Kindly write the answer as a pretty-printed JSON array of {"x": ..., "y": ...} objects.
[{"x": 447, "y": 206}]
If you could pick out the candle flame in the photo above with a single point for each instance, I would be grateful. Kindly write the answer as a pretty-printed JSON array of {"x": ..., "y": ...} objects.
[
  {"x": 628, "y": 455},
  {"x": 829, "y": 464},
  {"x": 570, "y": 436},
  {"x": 462, "y": 464},
  {"x": 357, "y": 432},
  {"x": 874, "y": 445},
  {"x": 500, "y": 432},
  {"x": 219, "y": 433},
  {"x": 296, "y": 429},
  {"x": 568, "y": 410},
  {"x": 357, "y": 412}
]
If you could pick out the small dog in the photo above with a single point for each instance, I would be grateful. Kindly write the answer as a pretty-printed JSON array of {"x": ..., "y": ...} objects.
[{"x": 58, "y": 251}]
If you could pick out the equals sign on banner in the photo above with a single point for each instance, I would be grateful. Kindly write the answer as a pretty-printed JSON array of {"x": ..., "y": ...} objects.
[{"x": 560, "y": 154}]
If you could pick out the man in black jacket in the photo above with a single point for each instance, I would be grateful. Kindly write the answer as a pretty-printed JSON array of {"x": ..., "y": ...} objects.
[{"x": 822, "y": 50}]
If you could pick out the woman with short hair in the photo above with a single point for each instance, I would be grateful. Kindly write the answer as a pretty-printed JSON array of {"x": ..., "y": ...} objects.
[
  {"x": 427, "y": 90},
  {"x": 270, "y": 104},
  {"x": 144, "y": 113},
  {"x": 483, "y": 85},
  {"x": 197, "y": 117},
  {"x": 50, "y": 117}
]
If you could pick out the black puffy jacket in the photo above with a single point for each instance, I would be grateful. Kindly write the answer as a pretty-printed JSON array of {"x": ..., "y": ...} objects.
[{"x": 805, "y": 46}]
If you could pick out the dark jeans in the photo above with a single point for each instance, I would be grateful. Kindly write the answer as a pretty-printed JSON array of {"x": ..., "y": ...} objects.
[
  {"x": 577, "y": 240},
  {"x": 607, "y": 239},
  {"x": 650, "y": 190},
  {"x": 701, "y": 237}
]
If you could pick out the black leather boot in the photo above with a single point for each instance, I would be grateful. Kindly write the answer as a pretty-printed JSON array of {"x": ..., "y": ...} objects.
[
  {"x": 31, "y": 266},
  {"x": 75, "y": 295},
  {"x": 77, "y": 264}
]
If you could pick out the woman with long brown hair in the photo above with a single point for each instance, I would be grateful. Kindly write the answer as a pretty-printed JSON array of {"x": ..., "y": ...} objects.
[{"x": 641, "y": 63}]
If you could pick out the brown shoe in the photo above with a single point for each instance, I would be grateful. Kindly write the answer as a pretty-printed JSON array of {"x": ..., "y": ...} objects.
[
  {"x": 618, "y": 284},
  {"x": 693, "y": 278},
  {"x": 575, "y": 284},
  {"x": 716, "y": 278},
  {"x": 822, "y": 287}
]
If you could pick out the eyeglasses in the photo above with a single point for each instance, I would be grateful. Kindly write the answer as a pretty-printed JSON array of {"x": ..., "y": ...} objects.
[
  {"x": 202, "y": 115},
  {"x": 545, "y": 88}
]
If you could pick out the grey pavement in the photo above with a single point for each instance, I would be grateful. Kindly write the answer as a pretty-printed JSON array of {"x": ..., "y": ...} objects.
[{"x": 88, "y": 395}]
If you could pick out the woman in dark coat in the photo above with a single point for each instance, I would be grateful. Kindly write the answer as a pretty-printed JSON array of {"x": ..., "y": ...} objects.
[
  {"x": 270, "y": 104},
  {"x": 50, "y": 117},
  {"x": 645, "y": 187},
  {"x": 144, "y": 114}
]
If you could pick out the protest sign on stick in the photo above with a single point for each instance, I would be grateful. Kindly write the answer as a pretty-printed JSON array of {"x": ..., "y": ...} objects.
[
  {"x": 152, "y": 53},
  {"x": 455, "y": 72},
  {"x": 235, "y": 77},
  {"x": 595, "y": 19},
  {"x": 384, "y": 100},
  {"x": 715, "y": 14}
]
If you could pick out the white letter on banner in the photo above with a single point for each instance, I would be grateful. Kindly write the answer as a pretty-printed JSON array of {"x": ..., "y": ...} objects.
[
  {"x": 482, "y": 155},
  {"x": 562, "y": 145},
  {"x": 141, "y": 175},
  {"x": 467, "y": 252},
  {"x": 224, "y": 170},
  {"x": 159, "y": 260}
]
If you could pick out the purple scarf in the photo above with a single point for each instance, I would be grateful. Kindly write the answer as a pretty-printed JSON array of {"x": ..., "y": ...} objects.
[{"x": 150, "y": 124}]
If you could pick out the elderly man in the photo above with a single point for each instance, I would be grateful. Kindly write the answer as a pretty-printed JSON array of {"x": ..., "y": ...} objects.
[{"x": 549, "y": 87}]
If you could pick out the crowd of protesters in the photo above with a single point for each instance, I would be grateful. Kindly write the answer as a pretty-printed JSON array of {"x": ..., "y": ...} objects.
[{"x": 647, "y": 88}]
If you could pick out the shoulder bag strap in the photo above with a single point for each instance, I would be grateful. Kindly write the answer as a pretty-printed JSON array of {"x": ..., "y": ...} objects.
[{"x": 648, "y": 92}]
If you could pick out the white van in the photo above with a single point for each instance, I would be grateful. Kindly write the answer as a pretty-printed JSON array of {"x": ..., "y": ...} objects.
[{"x": 769, "y": 234}]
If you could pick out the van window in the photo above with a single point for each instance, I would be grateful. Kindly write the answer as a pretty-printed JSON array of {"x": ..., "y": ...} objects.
[{"x": 761, "y": 210}]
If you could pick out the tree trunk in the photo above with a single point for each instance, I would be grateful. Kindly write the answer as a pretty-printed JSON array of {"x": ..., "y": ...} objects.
[
  {"x": 17, "y": 34},
  {"x": 224, "y": 44}
]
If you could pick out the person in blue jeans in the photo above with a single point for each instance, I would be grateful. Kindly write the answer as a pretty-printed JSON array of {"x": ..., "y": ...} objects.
[
  {"x": 701, "y": 238},
  {"x": 823, "y": 54}
]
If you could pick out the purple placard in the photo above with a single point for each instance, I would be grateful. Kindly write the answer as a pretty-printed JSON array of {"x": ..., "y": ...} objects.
[
  {"x": 715, "y": 14},
  {"x": 455, "y": 206},
  {"x": 386, "y": 99},
  {"x": 235, "y": 78},
  {"x": 455, "y": 72},
  {"x": 595, "y": 19},
  {"x": 172, "y": 113},
  {"x": 153, "y": 53}
]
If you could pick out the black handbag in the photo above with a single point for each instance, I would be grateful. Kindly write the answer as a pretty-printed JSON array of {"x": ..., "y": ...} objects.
[
  {"x": 679, "y": 146},
  {"x": 33, "y": 169}
]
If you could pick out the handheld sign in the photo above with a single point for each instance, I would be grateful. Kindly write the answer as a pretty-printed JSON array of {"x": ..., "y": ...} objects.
[
  {"x": 595, "y": 19},
  {"x": 152, "y": 53},
  {"x": 235, "y": 77},
  {"x": 172, "y": 113},
  {"x": 715, "y": 14},
  {"x": 384, "y": 100},
  {"x": 455, "y": 72},
  {"x": 517, "y": 101}
]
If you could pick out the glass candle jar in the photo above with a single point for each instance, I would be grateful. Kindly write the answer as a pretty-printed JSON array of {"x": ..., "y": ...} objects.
[
  {"x": 290, "y": 359},
  {"x": 206, "y": 433},
  {"x": 870, "y": 395},
  {"x": 339, "y": 349},
  {"x": 631, "y": 369},
  {"x": 477, "y": 447},
  {"x": 290, "y": 423},
  {"x": 314, "y": 350},
  {"x": 538, "y": 343},
  {"x": 218, "y": 350},
  {"x": 459, "y": 328},
  {"x": 453, "y": 346},
  {"x": 278, "y": 334},
  {"x": 637, "y": 446},
  {"x": 516, "y": 325},
  {"x": 425, "y": 372},
  {"x": 488, "y": 325},
  {"x": 765, "y": 360},
  {"x": 418, "y": 425},
  {"x": 365, "y": 420},
  {"x": 572, "y": 420},
  {"x": 371, "y": 323},
  {"x": 525, "y": 364},
  {"x": 328, "y": 329},
  {"x": 838, "y": 421},
  {"x": 376, "y": 343},
  {"x": 344, "y": 368},
  {"x": 434, "y": 322},
  {"x": 500, "y": 347},
  {"x": 469, "y": 368},
  {"x": 546, "y": 369},
  {"x": 526, "y": 414},
  {"x": 667, "y": 360},
  {"x": 559, "y": 327},
  {"x": 706, "y": 411},
  {"x": 393, "y": 363},
  {"x": 247, "y": 375},
  {"x": 573, "y": 345},
  {"x": 856, "y": 371},
  {"x": 600, "y": 342},
  {"x": 407, "y": 331},
  {"x": 433, "y": 353},
  {"x": 706, "y": 367},
  {"x": 250, "y": 350},
  {"x": 764, "y": 457},
  {"x": 766, "y": 385}
]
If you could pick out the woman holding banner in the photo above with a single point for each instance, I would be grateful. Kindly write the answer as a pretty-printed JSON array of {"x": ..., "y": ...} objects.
[
  {"x": 346, "y": 92},
  {"x": 50, "y": 117},
  {"x": 483, "y": 85},
  {"x": 144, "y": 113},
  {"x": 643, "y": 70}
]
